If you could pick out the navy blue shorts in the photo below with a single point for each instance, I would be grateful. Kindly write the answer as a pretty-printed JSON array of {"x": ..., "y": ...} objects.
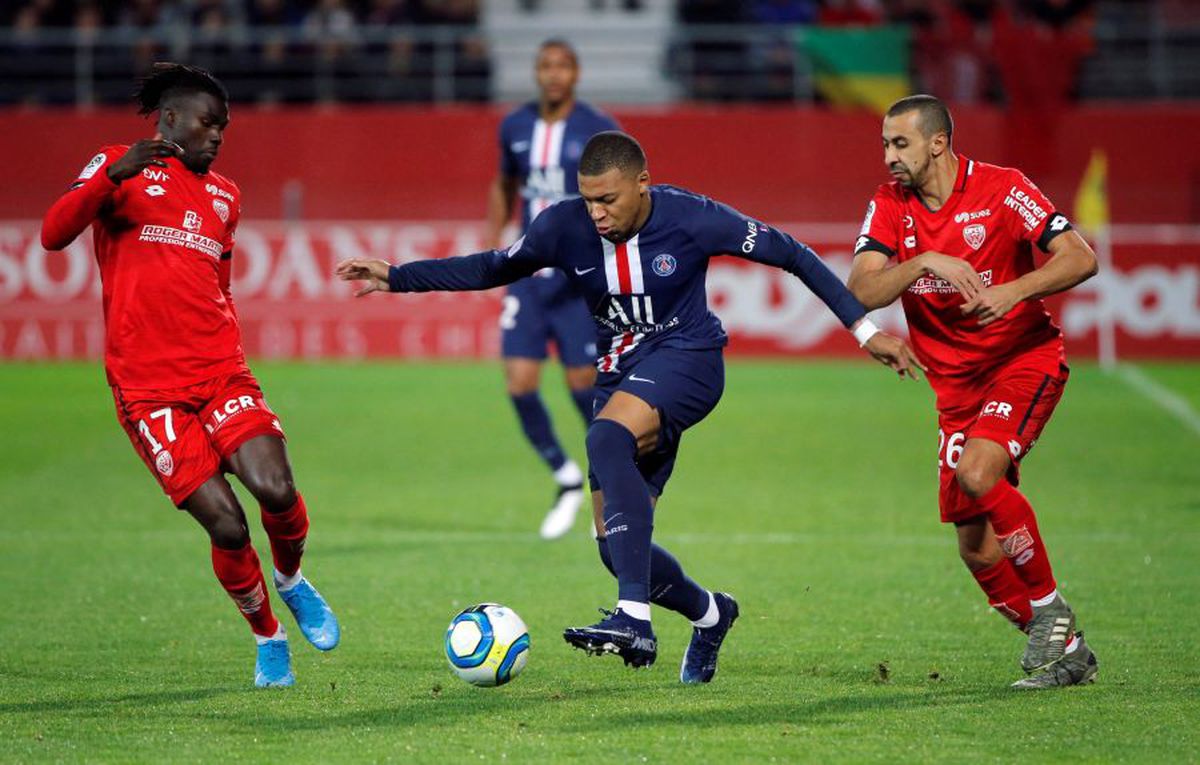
[
  {"x": 684, "y": 386},
  {"x": 536, "y": 311}
]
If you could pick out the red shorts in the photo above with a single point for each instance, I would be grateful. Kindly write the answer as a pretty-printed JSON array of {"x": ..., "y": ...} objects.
[
  {"x": 186, "y": 435},
  {"x": 1010, "y": 405}
]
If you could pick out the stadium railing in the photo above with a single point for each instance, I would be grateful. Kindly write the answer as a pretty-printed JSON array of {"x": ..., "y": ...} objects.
[{"x": 1137, "y": 59}]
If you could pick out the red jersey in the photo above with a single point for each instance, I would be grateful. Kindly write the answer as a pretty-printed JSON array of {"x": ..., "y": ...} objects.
[
  {"x": 992, "y": 220},
  {"x": 163, "y": 241}
]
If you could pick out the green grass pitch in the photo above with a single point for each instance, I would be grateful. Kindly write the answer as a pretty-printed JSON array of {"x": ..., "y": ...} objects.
[{"x": 809, "y": 493}]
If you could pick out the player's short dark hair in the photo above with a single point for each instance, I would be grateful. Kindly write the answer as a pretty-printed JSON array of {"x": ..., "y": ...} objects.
[
  {"x": 559, "y": 42},
  {"x": 167, "y": 80},
  {"x": 610, "y": 149},
  {"x": 934, "y": 116}
]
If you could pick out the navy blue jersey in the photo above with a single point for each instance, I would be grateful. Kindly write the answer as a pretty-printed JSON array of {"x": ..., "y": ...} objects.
[
  {"x": 544, "y": 157},
  {"x": 645, "y": 292}
]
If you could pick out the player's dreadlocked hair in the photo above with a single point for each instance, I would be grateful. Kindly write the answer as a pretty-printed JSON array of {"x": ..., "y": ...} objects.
[
  {"x": 167, "y": 79},
  {"x": 610, "y": 149},
  {"x": 934, "y": 116}
]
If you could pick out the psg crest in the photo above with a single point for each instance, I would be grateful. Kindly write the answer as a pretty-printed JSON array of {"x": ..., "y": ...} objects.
[
  {"x": 664, "y": 265},
  {"x": 975, "y": 234}
]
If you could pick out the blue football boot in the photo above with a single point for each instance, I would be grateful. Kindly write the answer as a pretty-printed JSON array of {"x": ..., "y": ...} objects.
[
  {"x": 700, "y": 659},
  {"x": 631, "y": 639},
  {"x": 316, "y": 619},
  {"x": 273, "y": 667}
]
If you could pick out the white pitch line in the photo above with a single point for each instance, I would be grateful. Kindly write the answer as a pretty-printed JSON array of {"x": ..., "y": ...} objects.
[{"x": 1172, "y": 402}]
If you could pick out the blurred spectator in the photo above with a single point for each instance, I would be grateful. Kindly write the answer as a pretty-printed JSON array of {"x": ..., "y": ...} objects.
[
  {"x": 850, "y": 12},
  {"x": 952, "y": 48},
  {"x": 1057, "y": 14},
  {"x": 1038, "y": 48},
  {"x": 392, "y": 12},
  {"x": 452, "y": 12},
  {"x": 332, "y": 27},
  {"x": 274, "y": 13},
  {"x": 783, "y": 11}
]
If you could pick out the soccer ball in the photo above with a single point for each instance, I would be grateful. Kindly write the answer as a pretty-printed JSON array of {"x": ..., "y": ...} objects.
[{"x": 487, "y": 644}]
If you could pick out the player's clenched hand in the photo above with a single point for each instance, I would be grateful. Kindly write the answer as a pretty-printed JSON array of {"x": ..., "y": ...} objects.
[
  {"x": 992, "y": 304},
  {"x": 956, "y": 271},
  {"x": 373, "y": 272},
  {"x": 895, "y": 353},
  {"x": 141, "y": 155}
]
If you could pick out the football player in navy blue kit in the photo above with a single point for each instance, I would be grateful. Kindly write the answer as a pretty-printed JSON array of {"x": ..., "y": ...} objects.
[
  {"x": 639, "y": 253},
  {"x": 540, "y": 146}
]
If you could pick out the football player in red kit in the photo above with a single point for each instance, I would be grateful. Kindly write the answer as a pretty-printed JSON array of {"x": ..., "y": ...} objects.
[
  {"x": 954, "y": 239},
  {"x": 163, "y": 225}
]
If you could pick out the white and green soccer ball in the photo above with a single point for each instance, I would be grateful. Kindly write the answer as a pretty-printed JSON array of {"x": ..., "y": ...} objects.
[{"x": 487, "y": 644}]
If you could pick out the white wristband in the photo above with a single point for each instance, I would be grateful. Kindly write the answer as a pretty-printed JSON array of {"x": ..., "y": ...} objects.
[{"x": 865, "y": 330}]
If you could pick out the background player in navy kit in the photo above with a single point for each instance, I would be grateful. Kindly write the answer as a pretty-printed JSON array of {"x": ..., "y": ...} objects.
[
  {"x": 540, "y": 145},
  {"x": 639, "y": 253}
]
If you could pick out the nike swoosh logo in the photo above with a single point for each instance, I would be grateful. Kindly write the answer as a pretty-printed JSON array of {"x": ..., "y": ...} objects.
[
  {"x": 519, "y": 146},
  {"x": 635, "y": 378},
  {"x": 582, "y": 271}
]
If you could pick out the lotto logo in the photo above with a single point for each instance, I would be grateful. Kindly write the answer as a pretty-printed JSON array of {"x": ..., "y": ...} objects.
[{"x": 155, "y": 190}]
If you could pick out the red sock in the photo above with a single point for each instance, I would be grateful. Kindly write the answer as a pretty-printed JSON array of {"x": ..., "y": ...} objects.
[
  {"x": 1006, "y": 592},
  {"x": 241, "y": 575},
  {"x": 1017, "y": 531},
  {"x": 287, "y": 531}
]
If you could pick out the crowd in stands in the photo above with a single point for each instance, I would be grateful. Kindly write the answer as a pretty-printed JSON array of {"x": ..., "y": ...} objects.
[
  {"x": 319, "y": 16},
  {"x": 266, "y": 50},
  {"x": 965, "y": 50}
]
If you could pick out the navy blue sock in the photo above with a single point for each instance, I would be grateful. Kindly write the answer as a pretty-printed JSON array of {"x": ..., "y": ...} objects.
[
  {"x": 670, "y": 587},
  {"x": 628, "y": 514},
  {"x": 535, "y": 421},
  {"x": 584, "y": 400}
]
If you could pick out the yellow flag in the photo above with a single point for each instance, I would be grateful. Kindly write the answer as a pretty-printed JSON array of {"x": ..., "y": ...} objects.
[{"x": 1091, "y": 200}]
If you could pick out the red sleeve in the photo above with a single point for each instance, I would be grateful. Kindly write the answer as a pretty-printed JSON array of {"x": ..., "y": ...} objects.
[
  {"x": 1031, "y": 214},
  {"x": 881, "y": 227},
  {"x": 78, "y": 207},
  {"x": 225, "y": 268}
]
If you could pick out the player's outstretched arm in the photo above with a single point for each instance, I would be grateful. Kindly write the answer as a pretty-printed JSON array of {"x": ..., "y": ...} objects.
[
  {"x": 78, "y": 207},
  {"x": 890, "y": 351},
  {"x": 481, "y": 271},
  {"x": 1071, "y": 262},
  {"x": 372, "y": 273},
  {"x": 877, "y": 284}
]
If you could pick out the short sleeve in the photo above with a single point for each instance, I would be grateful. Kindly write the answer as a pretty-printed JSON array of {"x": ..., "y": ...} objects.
[
  {"x": 1032, "y": 214},
  {"x": 235, "y": 217},
  {"x": 880, "y": 231},
  {"x": 509, "y": 167}
]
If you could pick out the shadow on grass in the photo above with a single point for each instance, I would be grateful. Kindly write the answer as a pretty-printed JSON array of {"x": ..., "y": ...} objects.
[
  {"x": 831, "y": 710},
  {"x": 103, "y": 705}
]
